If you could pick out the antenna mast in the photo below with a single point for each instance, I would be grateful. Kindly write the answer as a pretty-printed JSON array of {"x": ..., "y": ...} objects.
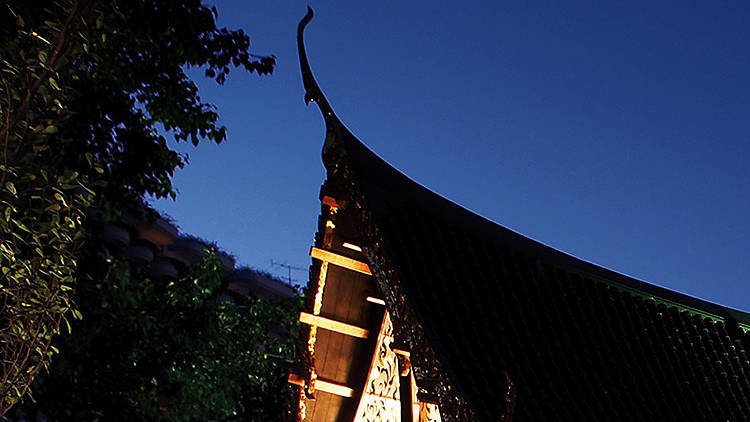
[{"x": 289, "y": 269}]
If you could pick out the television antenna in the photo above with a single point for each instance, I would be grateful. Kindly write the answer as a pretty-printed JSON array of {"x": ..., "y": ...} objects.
[{"x": 289, "y": 269}]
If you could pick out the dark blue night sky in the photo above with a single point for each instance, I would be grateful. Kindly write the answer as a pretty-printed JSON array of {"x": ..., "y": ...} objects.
[{"x": 618, "y": 133}]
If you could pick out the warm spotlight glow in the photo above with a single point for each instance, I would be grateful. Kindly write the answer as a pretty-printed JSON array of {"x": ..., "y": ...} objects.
[
  {"x": 313, "y": 381},
  {"x": 313, "y": 337},
  {"x": 302, "y": 404},
  {"x": 318, "y": 304}
]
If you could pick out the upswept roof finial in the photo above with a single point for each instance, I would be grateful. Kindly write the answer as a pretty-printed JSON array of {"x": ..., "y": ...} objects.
[{"x": 313, "y": 92}]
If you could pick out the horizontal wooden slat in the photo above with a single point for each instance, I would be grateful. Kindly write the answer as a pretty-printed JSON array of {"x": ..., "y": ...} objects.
[
  {"x": 340, "y": 260},
  {"x": 322, "y": 385},
  {"x": 331, "y": 325},
  {"x": 333, "y": 388},
  {"x": 351, "y": 246}
]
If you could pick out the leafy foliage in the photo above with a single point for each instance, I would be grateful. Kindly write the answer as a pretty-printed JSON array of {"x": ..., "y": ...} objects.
[
  {"x": 42, "y": 199},
  {"x": 169, "y": 350},
  {"x": 85, "y": 84}
]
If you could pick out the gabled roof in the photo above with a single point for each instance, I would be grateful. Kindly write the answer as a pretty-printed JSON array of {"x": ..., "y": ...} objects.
[{"x": 490, "y": 315}]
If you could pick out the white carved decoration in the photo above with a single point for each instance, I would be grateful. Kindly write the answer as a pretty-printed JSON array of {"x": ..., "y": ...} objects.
[
  {"x": 381, "y": 400},
  {"x": 429, "y": 412}
]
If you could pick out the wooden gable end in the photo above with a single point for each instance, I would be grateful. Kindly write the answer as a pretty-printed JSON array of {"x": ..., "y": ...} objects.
[{"x": 351, "y": 372}]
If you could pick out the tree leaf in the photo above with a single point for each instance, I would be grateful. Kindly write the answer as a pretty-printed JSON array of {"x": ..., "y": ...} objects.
[{"x": 21, "y": 225}]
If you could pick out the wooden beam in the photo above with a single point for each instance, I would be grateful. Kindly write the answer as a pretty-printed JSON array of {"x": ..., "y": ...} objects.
[
  {"x": 351, "y": 246},
  {"x": 331, "y": 325},
  {"x": 327, "y": 200},
  {"x": 340, "y": 260},
  {"x": 375, "y": 300},
  {"x": 296, "y": 380},
  {"x": 407, "y": 397},
  {"x": 401, "y": 352},
  {"x": 322, "y": 385},
  {"x": 333, "y": 388}
]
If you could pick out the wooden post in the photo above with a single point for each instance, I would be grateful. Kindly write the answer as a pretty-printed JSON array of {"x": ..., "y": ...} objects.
[{"x": 405, "y": 388}]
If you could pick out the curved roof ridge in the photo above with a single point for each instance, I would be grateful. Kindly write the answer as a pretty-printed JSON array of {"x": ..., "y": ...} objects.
[{"x": 388, "y": 187}]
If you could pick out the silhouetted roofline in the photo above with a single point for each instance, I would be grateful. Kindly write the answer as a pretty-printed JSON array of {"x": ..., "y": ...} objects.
[
  {"x": 378, "y": 169},
  {"x": 431, "y": 257}
]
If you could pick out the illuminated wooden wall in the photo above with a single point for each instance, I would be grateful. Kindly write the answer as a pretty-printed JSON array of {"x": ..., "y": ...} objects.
[{"x": 354, "y": 374}]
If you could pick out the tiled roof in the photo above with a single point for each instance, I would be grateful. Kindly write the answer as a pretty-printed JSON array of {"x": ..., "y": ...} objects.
[{"x": 579, "y": 342}]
